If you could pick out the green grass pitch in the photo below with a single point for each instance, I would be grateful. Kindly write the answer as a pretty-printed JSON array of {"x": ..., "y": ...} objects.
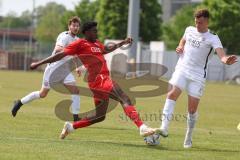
[{"x": 33, "y": 134}]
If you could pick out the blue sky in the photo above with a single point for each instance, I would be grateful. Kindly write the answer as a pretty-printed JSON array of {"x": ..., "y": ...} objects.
[{"x": 18, "y": 6}]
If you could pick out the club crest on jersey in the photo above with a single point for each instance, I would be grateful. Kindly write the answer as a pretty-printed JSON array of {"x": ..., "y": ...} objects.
[
  {"x": 95, "y": 49},
  {"x": 195, "y": 43}
]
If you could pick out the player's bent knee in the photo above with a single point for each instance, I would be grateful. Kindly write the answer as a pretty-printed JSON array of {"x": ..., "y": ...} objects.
[
  {"x": 125, "y": 100},
  {"x": 99, "y": 119},
  {"x": 43, "y": 94},
  {"x": 192, "y": 110},
  {"x": 172, "y": 95},
  {"x": 102, "y": 118},
  {"x": 77, "y": 91}
]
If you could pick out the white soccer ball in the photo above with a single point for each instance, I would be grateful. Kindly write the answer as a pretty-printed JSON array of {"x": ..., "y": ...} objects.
[
  {"x": 238, "y": 127},
  {"x": 152, "y": 140}
]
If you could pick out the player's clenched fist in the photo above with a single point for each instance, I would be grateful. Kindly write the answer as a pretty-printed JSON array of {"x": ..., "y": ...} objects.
[
  {"x": 179, "y": 49},
  {"x": 128, "y": 40}
]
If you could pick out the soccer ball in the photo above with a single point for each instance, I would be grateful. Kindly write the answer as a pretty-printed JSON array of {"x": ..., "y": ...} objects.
[
  {"x": 238, "y": 127},
  {"x": 152, "y": 140}
]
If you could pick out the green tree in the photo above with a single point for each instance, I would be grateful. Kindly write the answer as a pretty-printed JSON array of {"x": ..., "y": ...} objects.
[
  {"x": 49, "y": 22},
  {"x": 113, "y": 18},
  {"x": 86, "y": 10},
  {"x": 150, "y": 20},
  {"x": 12, "y": 21},
  {"x": 225, "y": 21},
  {"x": 65, "y": 18},
  {"x": 174, "y": 29}
]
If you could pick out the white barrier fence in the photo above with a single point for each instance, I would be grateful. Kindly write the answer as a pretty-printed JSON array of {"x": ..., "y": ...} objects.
[{"x": 155, "y": 53}]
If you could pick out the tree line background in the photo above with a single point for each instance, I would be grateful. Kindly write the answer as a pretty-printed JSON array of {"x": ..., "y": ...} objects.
[{"x": 112, "y": 17}]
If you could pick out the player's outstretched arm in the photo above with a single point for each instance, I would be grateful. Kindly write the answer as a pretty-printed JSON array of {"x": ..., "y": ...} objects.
[
  {"x": 180, "y": 47},
  {"x": 50, "y": 59},
  {"x": 113, "y": 47},
  {"x": 224, "y": 58}
]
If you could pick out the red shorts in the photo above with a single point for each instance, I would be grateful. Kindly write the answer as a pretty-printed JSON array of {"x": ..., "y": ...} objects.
[{"x": 101, "y": 87}]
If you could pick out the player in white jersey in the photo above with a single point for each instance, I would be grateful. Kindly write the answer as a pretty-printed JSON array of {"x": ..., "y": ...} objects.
[
  {"x": 62, "y": 41},
  {"x": 194, "y": 51}
]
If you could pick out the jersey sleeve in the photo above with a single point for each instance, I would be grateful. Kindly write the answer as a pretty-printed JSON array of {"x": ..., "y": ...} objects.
[
  {"x": 73, "y": 48},
  {"x": 185, "y": 33},
  {"x": 62, "y": 40},
  {"x": 216, "y": 43}
]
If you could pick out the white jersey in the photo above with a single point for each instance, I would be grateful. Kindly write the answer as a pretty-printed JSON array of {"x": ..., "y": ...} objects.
[
  {"x": 197, "y": 51},
  {"x": 63, "y": 40},
  {"x": 56, "y": 72}
]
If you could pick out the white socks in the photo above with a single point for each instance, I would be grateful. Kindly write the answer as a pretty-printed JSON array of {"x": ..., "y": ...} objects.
[
  {"x": 75, "y": 104},
  {"x": 36, "y": 95},
  {"x": 191, "y": 120},
  {"x": 143, "y": 127},
  {"x": 31, "y": 96},
  {"x": 167, "y": 113}
]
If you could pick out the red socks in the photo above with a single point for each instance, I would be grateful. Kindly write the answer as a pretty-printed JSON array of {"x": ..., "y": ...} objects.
[
  {"x": 131, "y": 112},
  {"x": 82, "y": 123}
]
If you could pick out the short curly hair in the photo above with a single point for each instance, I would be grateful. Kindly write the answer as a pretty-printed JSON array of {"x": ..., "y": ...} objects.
[
  {"x": 88, "y": 25},
  {"x": 74, "y": 19},
  {"x": 202, "y": 13}
]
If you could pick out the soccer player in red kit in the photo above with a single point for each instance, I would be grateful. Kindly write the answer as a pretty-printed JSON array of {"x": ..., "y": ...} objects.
[{"x": 91, "y": 53}]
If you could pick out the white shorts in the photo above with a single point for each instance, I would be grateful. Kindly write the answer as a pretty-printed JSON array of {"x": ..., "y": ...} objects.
[
  {"x": 47, "y": 74},
  {"x": 192, "y": 87}
]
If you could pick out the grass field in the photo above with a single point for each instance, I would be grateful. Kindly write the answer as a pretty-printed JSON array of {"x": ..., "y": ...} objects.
[{"x": 33, "y": 134}]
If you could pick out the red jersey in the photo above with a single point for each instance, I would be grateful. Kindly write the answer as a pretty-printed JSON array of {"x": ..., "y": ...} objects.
[{"x": 91, "y": 55}]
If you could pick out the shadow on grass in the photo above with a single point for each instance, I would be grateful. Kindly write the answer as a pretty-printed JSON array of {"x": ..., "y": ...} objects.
[
  {"x": 124, "y": 144},
  {"x": 134, "y": 144},
  {"x": 205, "y": 149},
  {"x": 196, "y": 149},
  {"x": 109, "y": 128},
  {"x": 160, "y": 147}
]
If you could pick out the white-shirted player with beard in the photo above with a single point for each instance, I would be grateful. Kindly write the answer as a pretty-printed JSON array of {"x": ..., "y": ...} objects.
[
  {"x": 62, "y": 41},
  {"x": 194, "y": 51}
]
